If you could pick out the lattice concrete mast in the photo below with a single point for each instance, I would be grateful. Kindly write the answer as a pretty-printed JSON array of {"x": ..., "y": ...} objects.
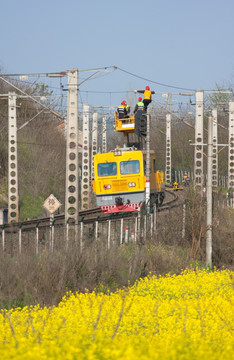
[
  {"x": 231, "y": 146},
  {"x": 215, "y": 149},
  {"x": 72, "y": 149},
  {"x": 198, "y": 162},
  {"x": 168, "y": 148},
  {"x": 85, "y": 193},
  {"x": 13, "y": 198},
  {"x": 104, "y": 147},
  {"x": 94, "y": 140}
]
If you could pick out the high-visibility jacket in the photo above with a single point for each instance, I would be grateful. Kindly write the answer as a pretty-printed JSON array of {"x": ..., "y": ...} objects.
[
  {"x": 139, "y": 106},
  {"x": 121, "y": 110},
  {"x": 147, "y": 95}
]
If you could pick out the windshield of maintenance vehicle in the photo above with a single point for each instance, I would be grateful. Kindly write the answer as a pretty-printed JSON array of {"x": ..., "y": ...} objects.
[
  {"x": 107, "y": 169},
  {"x": 129, "y": 167}
]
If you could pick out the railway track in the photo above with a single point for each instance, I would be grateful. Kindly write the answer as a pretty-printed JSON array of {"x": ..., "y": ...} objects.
[
  {"x": 86, "y": 216},
  {"x": 172, "y": 202}
]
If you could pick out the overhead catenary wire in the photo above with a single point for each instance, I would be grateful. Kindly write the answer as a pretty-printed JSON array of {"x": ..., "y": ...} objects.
[
  {"x": 101, "y": 75},
  {"x": 91, "y": 91},
  {"x": 63, "y": 73},
  {"x": 153, "y": 81}
]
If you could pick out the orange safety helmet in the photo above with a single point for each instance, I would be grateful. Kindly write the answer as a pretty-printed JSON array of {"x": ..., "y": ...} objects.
[
  {"x": 123, "y": 102},
  {"x": 147, "y": 88},
  {"x": 140, "y": 98}
]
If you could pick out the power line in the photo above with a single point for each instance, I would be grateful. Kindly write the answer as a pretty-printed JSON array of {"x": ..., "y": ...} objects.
[
  {"x": 61, "y": 74},
  {"x": 106, "y": 92},
  {"x": 152, "y": 81}
]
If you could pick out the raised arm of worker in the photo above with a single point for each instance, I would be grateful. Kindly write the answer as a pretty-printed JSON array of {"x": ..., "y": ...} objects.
[{"x": 142, "y": 91}]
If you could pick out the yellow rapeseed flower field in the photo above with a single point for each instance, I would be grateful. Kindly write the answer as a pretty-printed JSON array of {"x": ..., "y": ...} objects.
[{"x": 189, "y": 316}]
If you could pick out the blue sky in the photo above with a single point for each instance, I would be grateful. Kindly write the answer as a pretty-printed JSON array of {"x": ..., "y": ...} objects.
[{"x": 185, "y": 44}]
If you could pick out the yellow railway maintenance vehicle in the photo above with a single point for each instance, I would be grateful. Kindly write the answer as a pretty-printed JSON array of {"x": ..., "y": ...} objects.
[{"x": 120, "y": 180}]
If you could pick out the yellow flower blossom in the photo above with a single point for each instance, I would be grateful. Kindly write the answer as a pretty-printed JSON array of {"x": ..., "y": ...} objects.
[{"x": 189, "y": 316}]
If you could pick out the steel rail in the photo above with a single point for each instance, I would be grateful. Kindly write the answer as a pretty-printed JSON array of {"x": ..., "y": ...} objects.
[{"x": 86, "y": 216}]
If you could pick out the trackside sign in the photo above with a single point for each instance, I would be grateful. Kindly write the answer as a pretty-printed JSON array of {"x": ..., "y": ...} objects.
[{"x": 52, "y": 204}]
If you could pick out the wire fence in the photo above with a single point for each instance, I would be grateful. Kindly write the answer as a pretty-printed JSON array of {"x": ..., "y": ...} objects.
[{"x": 106, "y": 234}]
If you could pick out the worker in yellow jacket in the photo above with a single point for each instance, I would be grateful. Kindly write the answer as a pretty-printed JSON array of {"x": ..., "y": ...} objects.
[
  {"x": 122, "y": 112},
  {"x": 147, "y": 96}
]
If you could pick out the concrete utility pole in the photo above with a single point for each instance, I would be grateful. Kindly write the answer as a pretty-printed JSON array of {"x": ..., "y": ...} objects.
[
  {"x": 215, "y": 149},
  {"x": 168, "y": 148},
  {"x": 198, "y": 163},
  {"x": 231, "y": 146},
  {"x": 94, "y": 140},
  {"x": 168, "y": 142},
  {"x": 85, "y": 159},
  {"x": 104, "y": 134},
  {"x": 209, "y": 194},
  {"x": 147, "y": 190},
  {"x": 72, "y": 150},
  {"x": 13, "y": 206}
]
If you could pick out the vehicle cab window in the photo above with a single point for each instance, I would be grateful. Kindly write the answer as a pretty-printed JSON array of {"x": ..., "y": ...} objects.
[
  {"x": 129, "y": 167},
  {"x": 107, "y": 169}
]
